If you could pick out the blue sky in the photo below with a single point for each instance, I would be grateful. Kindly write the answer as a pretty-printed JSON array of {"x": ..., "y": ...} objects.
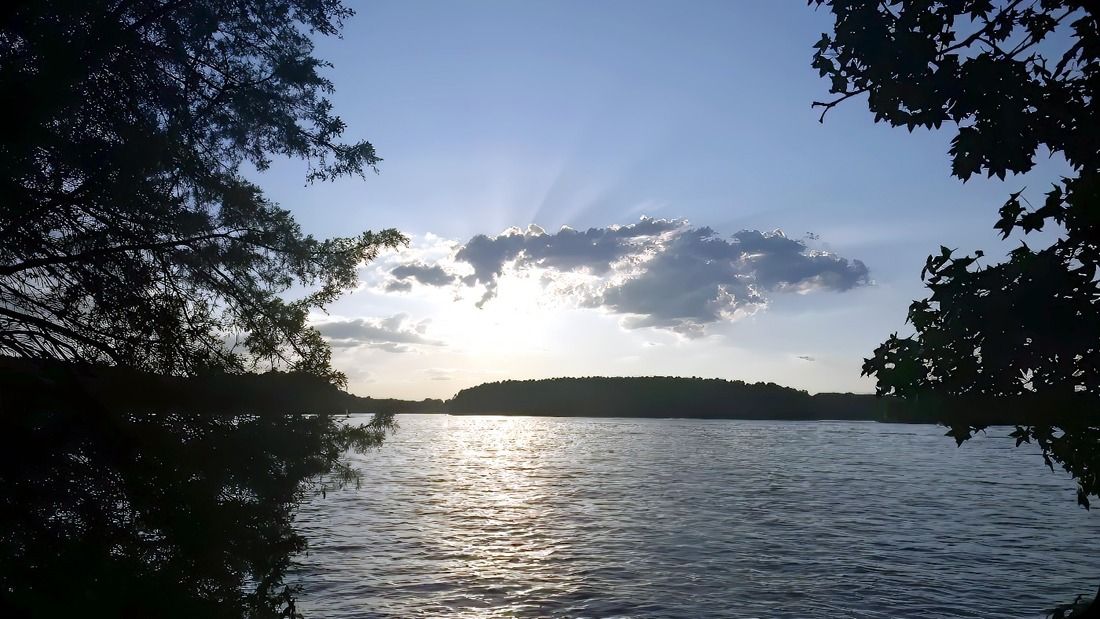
[{"x": 491, "y": 115}]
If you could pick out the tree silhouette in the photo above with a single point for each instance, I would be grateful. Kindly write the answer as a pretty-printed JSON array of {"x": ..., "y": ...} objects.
[
  {"x": 133, "y": 495},
  {"x": 130, "y": 237},
  {"x": 1014, "y": 79},
  {"x": 127, "y": 231},
  {"x": 667, "y": 396}
]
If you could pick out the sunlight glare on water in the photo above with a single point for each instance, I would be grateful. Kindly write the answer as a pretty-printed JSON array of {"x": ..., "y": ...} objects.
[{"x": 577, "y": 517}]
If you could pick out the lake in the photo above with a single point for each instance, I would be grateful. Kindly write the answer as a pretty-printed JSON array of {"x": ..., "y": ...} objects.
[{"x": 488, "y": 516}]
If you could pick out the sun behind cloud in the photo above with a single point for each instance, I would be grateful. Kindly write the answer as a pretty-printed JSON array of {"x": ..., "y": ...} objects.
[{"x": 659, "y": 273}]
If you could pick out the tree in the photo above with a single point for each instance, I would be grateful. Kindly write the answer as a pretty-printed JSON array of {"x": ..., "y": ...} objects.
[
  {"x": 127, "y": 232},
  {"x": 1014, "y": 79},
  {"x": 124, "y": 494},
  {"x": 130, "y": 237}
]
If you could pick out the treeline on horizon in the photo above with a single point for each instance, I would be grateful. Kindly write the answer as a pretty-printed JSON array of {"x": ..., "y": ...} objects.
[
  {"x": 36, "y": 385},
  {"x": 659, "y": 396},
  {"x": 714, "y": 398}
]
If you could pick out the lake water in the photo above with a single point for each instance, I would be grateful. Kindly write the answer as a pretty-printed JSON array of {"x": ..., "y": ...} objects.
[{"x": 579, "y": 517}]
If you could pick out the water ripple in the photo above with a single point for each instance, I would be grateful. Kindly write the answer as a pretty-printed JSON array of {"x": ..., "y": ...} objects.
[{"x": 554, "y": 517}]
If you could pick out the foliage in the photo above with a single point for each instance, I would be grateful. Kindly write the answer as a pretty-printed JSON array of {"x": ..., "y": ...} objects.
[
  {"x": 128, "y": 233},
  {"x": 211, "y": 392},
  {"x": 117, "y": 511},
  {"x": 660, "y": 396},
  {"x": 1014, "y": 79},
  {"x": 130, "y": 236}
]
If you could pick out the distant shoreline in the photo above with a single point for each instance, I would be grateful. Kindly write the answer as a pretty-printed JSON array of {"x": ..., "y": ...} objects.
[
  {"x": 42, "y": 385},
  {"x": 655, "y": 417},
  {"x": 656, "y": 396},
  {"x": 712, "y": 398}
]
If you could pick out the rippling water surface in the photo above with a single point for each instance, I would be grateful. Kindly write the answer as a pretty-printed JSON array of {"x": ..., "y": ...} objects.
[{"x": 571, "y": 517}]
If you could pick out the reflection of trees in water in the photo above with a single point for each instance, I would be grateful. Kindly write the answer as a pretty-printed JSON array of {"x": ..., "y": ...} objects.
[{"x": 112, "y": 513}]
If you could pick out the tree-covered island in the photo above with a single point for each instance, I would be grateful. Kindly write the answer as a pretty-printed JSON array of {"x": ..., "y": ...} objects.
[{"x": 714, "y": 398}]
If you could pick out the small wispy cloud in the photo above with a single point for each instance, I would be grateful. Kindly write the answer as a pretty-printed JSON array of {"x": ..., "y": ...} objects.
[
  {"x": 393, "y": 334},
  {"x": 440, "y": 373}
]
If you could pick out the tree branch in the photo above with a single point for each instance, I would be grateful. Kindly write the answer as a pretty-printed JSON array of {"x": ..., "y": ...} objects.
[
  {"x": 98, "y": 253},
  {"x": 828, "y": 105},
  {"x": 984, "y": 30},
  {"x": 157, "y": 14},
  {"x": 51, "y": 326}
]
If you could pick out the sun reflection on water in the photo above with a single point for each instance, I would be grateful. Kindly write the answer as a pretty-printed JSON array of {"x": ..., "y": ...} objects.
[
  {"x": 486, "y": 517},
  {"x": 501, "y": 492}
]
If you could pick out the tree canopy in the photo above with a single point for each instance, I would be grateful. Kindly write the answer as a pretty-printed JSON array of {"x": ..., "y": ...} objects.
[
  {"x": 128, "y": 233},
  {"x": 1013, "y": 80},
  {"x": 638, "y": 396},
  {"x": 668, "y": 396},
  {"x": 130, "y": 236},
  {"x": 109, "y": 510}
]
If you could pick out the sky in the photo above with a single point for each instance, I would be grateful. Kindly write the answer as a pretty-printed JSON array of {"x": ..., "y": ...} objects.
[{"x": 623, "y": 189}]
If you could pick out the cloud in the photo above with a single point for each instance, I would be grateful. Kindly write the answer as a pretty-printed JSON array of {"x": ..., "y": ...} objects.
[
  {"x": 440, "y": 373},
  {"x": 696, "y": 277},
  {"x": 430, "y": 275},
  {"x": 394, "y": 334},
  {"x": 595, "y": 250},
  {"x": 660, "y": 273}
]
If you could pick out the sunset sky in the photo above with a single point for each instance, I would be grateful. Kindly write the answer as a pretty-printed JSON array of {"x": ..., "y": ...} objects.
[{"x": 623, "y": 188}]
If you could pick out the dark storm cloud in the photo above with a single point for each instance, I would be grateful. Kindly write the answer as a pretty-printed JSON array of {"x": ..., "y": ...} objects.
[{"x": 657, "y": 272}]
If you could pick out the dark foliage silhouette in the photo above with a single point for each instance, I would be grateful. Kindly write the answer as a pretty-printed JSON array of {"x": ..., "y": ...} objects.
[
  {"x": 713, "y": 398},
  {"x": 661, "y": 396},
  {"x": 1015, "y": 79},
  {"x": 118, "y": 504},
  {"x": 129, "y": 237},
  {"x": 127, "y": 232},
  {"x": 632, "y": 397},
  {"x": 211, "y": 392}
]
